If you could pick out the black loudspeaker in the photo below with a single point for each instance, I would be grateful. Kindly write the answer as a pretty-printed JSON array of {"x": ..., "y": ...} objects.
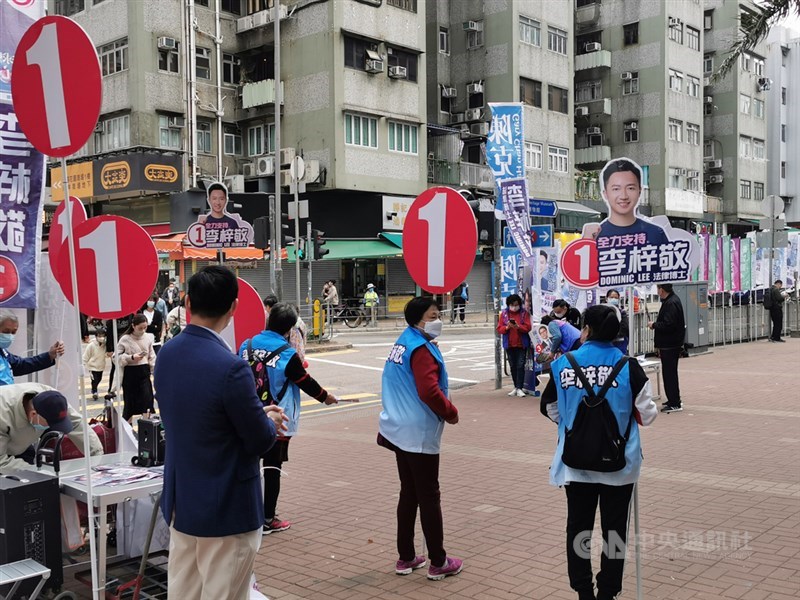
[
  {"x": 152, "y": 443},
  {"x": 30, "y": 524}
]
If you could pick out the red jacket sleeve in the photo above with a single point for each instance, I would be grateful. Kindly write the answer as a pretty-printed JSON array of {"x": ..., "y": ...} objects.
[
  {"x": 502, "y": 323},
  {"x": 426, "y": 376}
]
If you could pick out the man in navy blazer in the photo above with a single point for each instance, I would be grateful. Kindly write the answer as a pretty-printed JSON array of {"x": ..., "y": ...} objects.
[{"x": 216, "y": 429}]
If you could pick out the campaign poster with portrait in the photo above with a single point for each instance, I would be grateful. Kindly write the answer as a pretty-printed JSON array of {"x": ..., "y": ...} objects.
[
  {"x": 633, "y": 249},
  {"x": 218, "y": 228}
]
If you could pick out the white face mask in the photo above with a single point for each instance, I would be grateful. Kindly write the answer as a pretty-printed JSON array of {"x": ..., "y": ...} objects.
[{"x": 433, "y": 328}]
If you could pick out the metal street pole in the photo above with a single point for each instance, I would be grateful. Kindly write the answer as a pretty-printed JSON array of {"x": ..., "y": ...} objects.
[
  {"x": 296, "y": 184},
  {"x": 276, "y": 247},
  {"x": 498, "y": 267},
  {"x": 309, "y": 258}
]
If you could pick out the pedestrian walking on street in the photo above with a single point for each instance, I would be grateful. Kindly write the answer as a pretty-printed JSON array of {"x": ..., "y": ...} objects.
[
  {"x": 216, "y": 428},
  {"x": 773, "y": 302},
  {"x": 628, "y": 397},
  {"x": 155, "y": 324},
  {"x": 330, "y": 295},
  {"x": 514, "y": 325},
  {"x": 416, "y": 405},
  {"x": 670, "y": 333},
  {"x": 171, "y": 295},
  {"x": 122, "y": 324},
  {"x": 271, "y": 352},
  {"x": 94, "y": 359},
  {"x": 460, "y": 301},
  {"x": 137, "y": 359},
  {"x": 176, "y": 320}
]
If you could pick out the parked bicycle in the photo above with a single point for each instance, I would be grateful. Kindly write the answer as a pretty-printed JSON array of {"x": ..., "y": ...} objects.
[{"x": 353, "y": 316}]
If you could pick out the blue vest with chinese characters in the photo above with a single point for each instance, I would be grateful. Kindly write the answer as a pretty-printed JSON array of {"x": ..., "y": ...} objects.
[
  {"x": 597, "y": 360},
  {"x": 406, "y": 421},
  {"x": 6, "y": 375}
]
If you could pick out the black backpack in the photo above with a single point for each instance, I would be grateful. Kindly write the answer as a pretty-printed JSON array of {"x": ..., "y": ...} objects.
[
  {"x": 767, "y": 299},
  {"x": 594, "y": 442},
  {"x": 260, "y": 368}
]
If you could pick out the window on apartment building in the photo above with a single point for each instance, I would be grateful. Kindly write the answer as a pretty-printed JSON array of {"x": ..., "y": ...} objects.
[
  {"x": 708, "y": 149},
  {"x": 783, "y": 133},
  {"x": 446, "y": 104},
  {"x": 113, "y": 57},
  {"x": 202, "y": 63},
  {"x": 783, "y": 169},
  {"x": 558, "y": 159},
  {"x": 630, "y": 131},
  {"x": 630, "y": 34},
  {"x": 170, "y": 132},
  {"x": 675, "y": 130},
  {"x": 708, "y": 63},
  {"x": 204, "y": 137},
  {"x": 231, "y": 69},
  {"x": 201, "y": 3},
  {"x": 708, "y": 19},
  {"x": 758, "y": 190},
  {"x": 530, "y": 92},
  {"x": 675, "y": 29},
  {"x": 758, "y": 66},
  {"x": 357, "y": 51},
  {"x": 533, "y": 155},
  {"x": 444, "y": 40},
  {"x": 530, "y": 31},
  {"x": 557, "y": 99},
  {"x": 232, "y": 6},
  {"x": 745, "y": 147},
  {"x": 475, "y": 100},
  {"x": 693, "y": 183},
  {"x": 231, "y": 142},
  {"x": 693, "y": 134},
  {"x": 758, "y": 108},
  {"x": 403, "y": 137},
  {"x": 475, "y": 36},
  {"x": 708, "y": 109},
  {"x": 745, "y": 189},
  {"x": 401, "y": 58},
  {"x": 68, "y": 7},
  {"x": 255, "y": 140},
  {"x": 586, "y": 91},
  {"x": 675, "y": 80},
  {"x": 675, "y": 178},
  {"x": 693, "y": 38},
  {"x": 360, "y": 131},
  {"x": 409, "y": 5},
  {"x": 169, "y": 60},
  {"x": 783, "y": 96},
  {"x": 693, "y": 86},
  {"x": 115, "y": 134},
  {"x": 631, "y": 86},
  {"x": 744, "y": 104},
  {"x": 745, "y": 61},
  {"x": 557, "y": 40},
  {"x": 759, "y": 149}
]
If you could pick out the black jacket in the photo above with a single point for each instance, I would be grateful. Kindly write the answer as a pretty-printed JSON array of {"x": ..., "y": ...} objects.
[{"x": 670, "y": 326}]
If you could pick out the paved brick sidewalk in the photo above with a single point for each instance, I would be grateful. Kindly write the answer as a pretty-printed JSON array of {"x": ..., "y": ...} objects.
[{"x": 719, "y": 496}]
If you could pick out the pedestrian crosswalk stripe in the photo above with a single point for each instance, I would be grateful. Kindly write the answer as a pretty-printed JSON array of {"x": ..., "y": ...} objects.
[
  {"x": 344, "y": 397},
  {"x": 340, "y": 406}
]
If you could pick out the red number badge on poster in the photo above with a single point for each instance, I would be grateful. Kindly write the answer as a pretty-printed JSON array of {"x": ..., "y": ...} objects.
[{"x": 579, "y": 263}]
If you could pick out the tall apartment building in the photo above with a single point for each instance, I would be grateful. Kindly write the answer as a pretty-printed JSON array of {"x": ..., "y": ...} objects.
[
  {"x": 735, "y": 109},
  {"x": 639, "y": 93},
  {"x": 783, "y": 123}
]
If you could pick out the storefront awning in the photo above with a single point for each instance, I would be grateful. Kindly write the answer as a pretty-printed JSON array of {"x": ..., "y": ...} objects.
[
  {"x": 348, "y": 249},
  {"x": 575, "y": 207},
  {"x": 176, "y": 248}
]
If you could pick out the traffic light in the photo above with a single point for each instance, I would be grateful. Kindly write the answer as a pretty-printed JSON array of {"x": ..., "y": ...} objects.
[
  {"x": 261, "y": 236},
  {"x": 286, "y": 239},
  {"x": 319, "y": 242},
  {"x": 301, "y": 249}
]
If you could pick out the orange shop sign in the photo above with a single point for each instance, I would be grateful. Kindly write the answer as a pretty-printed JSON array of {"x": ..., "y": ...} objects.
[{"x": 80, "y": 180}]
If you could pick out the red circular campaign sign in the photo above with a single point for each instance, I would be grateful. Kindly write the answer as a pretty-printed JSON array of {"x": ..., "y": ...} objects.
[
  {"x": 59, "y": 232},
  {"x": 579, "y": 263},
  {"x": 250, "y": 317},
  {"x": 56, "y": 85},
  {"x": 440, "y": 238},
  {"x": 9, "y": 279},
  {"x": 116, "y": 264}
]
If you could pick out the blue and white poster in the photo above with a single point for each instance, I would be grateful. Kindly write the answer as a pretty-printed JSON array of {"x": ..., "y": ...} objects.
[
  {"x": 505, "y": 146},
  {"x": 514, "y": 195},
  {"x": 510, "y": 274}
]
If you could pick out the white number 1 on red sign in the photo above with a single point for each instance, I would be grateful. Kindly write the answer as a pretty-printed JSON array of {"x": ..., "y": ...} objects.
[{"x": 435, "y": 214}]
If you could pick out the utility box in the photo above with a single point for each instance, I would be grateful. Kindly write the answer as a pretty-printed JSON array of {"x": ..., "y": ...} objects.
[{"x": 694, "y": 298}]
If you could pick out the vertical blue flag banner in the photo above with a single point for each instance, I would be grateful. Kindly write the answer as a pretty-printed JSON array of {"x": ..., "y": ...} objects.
[
  {"x": 509, "y": 277},
  {"x": 505, "y": 147},
  {"x": 21, "y": 186},
  {"x": 514, "y": 195}
]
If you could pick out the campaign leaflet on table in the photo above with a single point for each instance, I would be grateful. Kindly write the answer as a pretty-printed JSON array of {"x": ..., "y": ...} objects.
[{"x": 633, "y": 249}]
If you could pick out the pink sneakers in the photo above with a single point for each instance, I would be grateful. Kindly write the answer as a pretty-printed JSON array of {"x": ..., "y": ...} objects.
[
  {"x": 404, "y": 567},
  {"x": 452, "y": 566},
  {"x": 274, "y": 526}
]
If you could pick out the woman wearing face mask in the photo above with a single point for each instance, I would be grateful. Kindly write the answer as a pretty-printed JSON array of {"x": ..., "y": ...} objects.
[
  {"x": 514, "y": 325},
  {"x": 621, "y": 341},
  {"x": 137, "y": 359},
  {"x": 155, "y": 322},
  {"x": 416, "y": 405}
]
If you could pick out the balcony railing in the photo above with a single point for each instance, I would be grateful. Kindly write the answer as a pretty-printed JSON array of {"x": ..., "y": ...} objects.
[
  {"x": 258, "y": 19},
  {"x": 480, "y": 176},
  {"x": 587, "y": 187},
  {"x": 442, "y": 171},
  {"x": 586, "y": 15},
  {"x": 259, "y": 93},
  {"x": 713, "y": 204},
  {"x": 592, "y": 154},
  {"x": 593, "y": 60}
]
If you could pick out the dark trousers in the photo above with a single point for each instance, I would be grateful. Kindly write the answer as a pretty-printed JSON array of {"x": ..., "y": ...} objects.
[
  {"x": 111, "y": 375},
  {"x": 274, "y": 458},
  {"x": 776, "y": 314},
  {"x": 669, "y": 372},
  {"x": 516, "y": 362},
  {"x": 419, "y": 487},
  {"x": 96, "y": 377},
  {"x": 582, "y": 501},
  {"x": 459, "y": 309}
]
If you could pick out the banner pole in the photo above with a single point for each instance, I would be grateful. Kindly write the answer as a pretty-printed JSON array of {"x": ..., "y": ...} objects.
[{"x": 84, "y": 413}]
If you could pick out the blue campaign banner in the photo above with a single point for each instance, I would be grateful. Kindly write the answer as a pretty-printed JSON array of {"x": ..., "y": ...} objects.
[
  {"x": 21, "y": 186},
  {"x": 505, "y": 146},
  {"x": 514, "y": 193},
  {"x": 511, "y": 272}
]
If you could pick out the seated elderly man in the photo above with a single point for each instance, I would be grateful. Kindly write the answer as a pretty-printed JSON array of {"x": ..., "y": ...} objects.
[{"x": 26, "y": 411}]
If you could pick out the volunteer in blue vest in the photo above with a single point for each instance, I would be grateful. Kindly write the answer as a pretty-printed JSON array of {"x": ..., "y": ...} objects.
[
  {"x": 287, "y": 377},
  {"x": 630, "y": 401},
  {"x": 12, "y": 365},
  {"x": 416, "y": 405},
  {"x": 563, "y": 336}
]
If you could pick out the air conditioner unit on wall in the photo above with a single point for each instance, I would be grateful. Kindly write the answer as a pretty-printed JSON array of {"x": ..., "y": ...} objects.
[
  {"x": 167, "y": 43},
  {"x": 234, "y": 183},
  {"x": 265, "y": 165},
  {"x": 479, "y": 128},
  {"x": 471, "y": 26},
  {"x": 626, "y": 76},
  {"x": 715, "y": 179},
  {"x": 632, "y": 125},
  {"x": 593, "y": 130},
  {"x": 694, "y": 173},
  {"x": 374, "y": 65},
  {"x": 287, "y": 155},
  {"x": 581, "y": 111},
  {"x": 474, "y": 88},
  {"x": 683, "y": 172},
  {"x": 714, "y": 164},
  {"x": 593, "y": 47},
  {"x": 449, "y": 92},
  {"x": 286, "y": 178},
  {"x": 674, "y": 22},
  {"x": 473, "y": 114},
  {"x": 398, "y": 73},
  {"x": 456, "y": 118},
  {"x": 249, "y": 169},
  {"x": 709, "y": 99}
]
